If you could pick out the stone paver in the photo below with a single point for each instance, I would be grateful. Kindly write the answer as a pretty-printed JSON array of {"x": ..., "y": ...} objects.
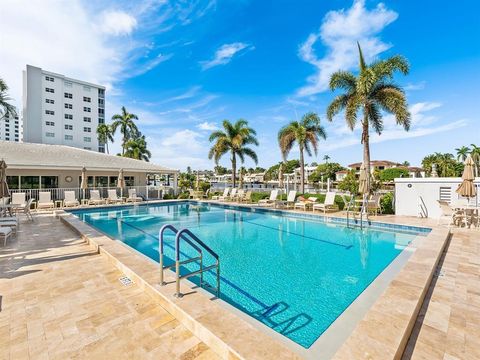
[
  {"x": 59, "y": 299},
  {"x": 448, "y": 325}
]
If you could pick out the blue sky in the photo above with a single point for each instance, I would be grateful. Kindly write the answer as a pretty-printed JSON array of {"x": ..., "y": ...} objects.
[{"x": 184, "y": 66}]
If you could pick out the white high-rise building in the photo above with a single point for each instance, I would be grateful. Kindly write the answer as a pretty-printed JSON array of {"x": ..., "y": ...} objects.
[
  {"x": 10, "y": 128},
  {"x": 60, "y": 110}
]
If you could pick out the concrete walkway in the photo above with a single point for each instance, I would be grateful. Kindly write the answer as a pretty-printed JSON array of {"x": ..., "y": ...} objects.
[{"x": 59, "y": 300}]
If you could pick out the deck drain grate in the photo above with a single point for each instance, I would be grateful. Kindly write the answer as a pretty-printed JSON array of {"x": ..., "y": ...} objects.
[{"x": 126, "y": 281}]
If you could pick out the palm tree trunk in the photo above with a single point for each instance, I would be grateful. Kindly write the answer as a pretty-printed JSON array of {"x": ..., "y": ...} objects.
[
  {"x": 106, "y": 143},
  {"x": 234, "y": 168},
  {"x": 366, "y": 149},
  {"x": 302, "y": 171}
]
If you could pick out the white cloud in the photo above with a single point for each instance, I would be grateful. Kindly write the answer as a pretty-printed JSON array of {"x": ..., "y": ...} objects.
[
  {"x": 339, "y": 33},
  {"x": 117, "y": 23},
  {"x": 207, "y": 126},
  {"x": 225, "y": 53},
  {"x": 417, "y": 86}
]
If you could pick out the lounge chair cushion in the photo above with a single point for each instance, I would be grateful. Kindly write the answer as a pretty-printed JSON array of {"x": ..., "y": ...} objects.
[{"x": 4, "y": 231}]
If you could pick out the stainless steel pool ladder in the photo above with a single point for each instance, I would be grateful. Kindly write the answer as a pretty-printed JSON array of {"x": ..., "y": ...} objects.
[
  {"x": 198, "y": 245},
  {"x": 349, "y": 206}
]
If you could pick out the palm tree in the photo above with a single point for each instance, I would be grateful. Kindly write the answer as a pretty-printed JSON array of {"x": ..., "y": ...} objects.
[
  {"x": 128, "y": 129},
  {"x": 475, "y": 153},
  {"x": 306, "y": 134},
  {"x": 6, "y": 109},
  {"x": 326, "y": 158},
  {"x": 371, "y": 91},
  {"x": 233, "y": 140},
  {"x": 105, "y": 134},
  {"x": 462, "y": 153},
  {"x": 136, "y": 148}
]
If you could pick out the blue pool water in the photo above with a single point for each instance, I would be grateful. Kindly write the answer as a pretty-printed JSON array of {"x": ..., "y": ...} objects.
[{"x": 295, "y": 275}]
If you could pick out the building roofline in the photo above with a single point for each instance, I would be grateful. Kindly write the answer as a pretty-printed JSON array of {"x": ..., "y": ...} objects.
[{"x": 67, "y": 78}]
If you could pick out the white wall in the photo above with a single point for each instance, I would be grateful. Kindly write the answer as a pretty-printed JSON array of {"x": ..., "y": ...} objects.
[{"x": 409, "y": 193}]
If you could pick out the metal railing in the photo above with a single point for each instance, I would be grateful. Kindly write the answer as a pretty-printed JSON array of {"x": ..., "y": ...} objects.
[{"x": 199, "y": 246}]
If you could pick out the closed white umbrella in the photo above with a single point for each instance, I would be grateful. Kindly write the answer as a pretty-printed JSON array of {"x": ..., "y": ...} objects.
[{"x": 467, "y": 188}]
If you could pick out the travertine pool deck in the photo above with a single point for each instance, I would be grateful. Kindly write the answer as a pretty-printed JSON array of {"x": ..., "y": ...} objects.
[
  {"x": 463, "y": 270},
  {"x": 60, "y": 299}
]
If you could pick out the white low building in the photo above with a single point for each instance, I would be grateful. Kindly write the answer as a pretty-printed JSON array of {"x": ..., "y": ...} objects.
[
  {"x": 32, "y": 167},
  {"x": 420, "y": 196}
]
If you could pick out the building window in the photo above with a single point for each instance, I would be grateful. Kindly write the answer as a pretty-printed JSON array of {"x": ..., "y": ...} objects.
[
  {"x": 101, "y": 101},
  {"x": 68, "y": 137},
  {"x": 87, "y": 139},
  {"x": 49, "y": 112},
  {"x": 49, "y": 123},
  {"x": 68, "y": 95},
  {"x": 69, "y": 116},
  {"x": 86, "y": 88},
  {"x": 50, "y": 101},
  {"x": 129, "y": 180},
  {"x": 13, "y": 181},
  {"x": 68, "y": 83},
  {"x": 101, "y": 92},
  {"x": 50, "y": 134},
  {"x": 87, "y": 129},
  {"x": 101, "y": 181},
  {"x": 49, "y": 78},
  {"x": 101, "y": 120},
  {"x": 49, "y": 182},
  {"x": 87, "y": 119},
  {"x": 49, "y": 90},
  {"x": 101, "y": 149},
  {"x": 87, "y": 99},
  {"x": 68, "y": 127},
  {"x": 68, "y": 106},
  {"x": 101, "y": 111},
  {"x": 30, "y": 182},
  {"x": 87, "y": 109}
]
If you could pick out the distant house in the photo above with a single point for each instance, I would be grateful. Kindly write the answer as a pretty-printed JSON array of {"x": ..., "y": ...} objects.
[
  {"x": 340, "y": 175},
  {"x": 380, "y": 165},
  {"x": 254, "y": 178}
]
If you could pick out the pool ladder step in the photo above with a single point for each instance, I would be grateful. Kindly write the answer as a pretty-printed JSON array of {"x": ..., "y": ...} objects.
[{"x": 199, "y": 246}]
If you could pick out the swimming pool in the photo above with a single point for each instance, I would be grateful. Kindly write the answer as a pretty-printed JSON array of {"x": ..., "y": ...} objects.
[{"x": 294, "y": 273}]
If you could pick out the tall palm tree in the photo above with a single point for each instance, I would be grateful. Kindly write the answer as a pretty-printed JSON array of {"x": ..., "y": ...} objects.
[
  {"x": 306, "y": 134},
  {"x": 462, "y": 153},
  {"x": 233, "y": 139},
  {"x": 126, "y": 122},
  {"x": 371, "y": 92},
  {"x": 326, "y": 158},
  {"x": 6, "y": 109},
  {"x": 136, "y": 148},
  {"x": 105, "y": 134},
  {"x": 475, "y": 153}
]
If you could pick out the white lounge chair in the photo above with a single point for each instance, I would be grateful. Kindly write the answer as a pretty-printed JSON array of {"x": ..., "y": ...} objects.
[
  {"x": 271, "y": 200},
  {"x": 45, "y": 200},
  {"x": 232, "y": 195},
  {"x": 239, "y": 196},
  {"x": 13, "y": 224},
  {"x": 5, "y": 233},
  {"x": 222, "y": 197},
  {"x": 113, "y": 197},
  {"x": 18, "y": 199},
  {"x": 95, "y": 198},
  {"x": 306, "y": 204},
  {"x": 453, "y": 217},
  {"x": 70, "y": 199},
  {"x": 247, "y": 198},
  {"x": 292, "y": 194},
  {"x": 328, "y": 204},
  {"x": 132, "y": 196}
]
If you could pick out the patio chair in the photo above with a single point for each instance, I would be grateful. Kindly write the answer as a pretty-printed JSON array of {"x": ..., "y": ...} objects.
[
  {"x": 70, "y": 199},
  {"x": 373, "y": 205},
  {"x": 95, "y": 198},
  {"x": 132, "y": 196},
  {"x": 271, "y": 200},
  {"x": 328, "y": 204},
  {"x": 232, "y": 195},
  {"x": 13, "y": 224},
  {"x": 239, "y": 196},
  {"x": 5, "y": 233},
  {"x": 45, "y": 200},
  {"x": 18, "y": 199},
  {"x": 25, "y": 209},
  {"x": 453, "y": 217},
  {"x": 113, "y": 197},
  {"x": 292, "y": 194},
  {"x": 305, "y": 204},
  {"x": 247, "y": 198},
  {"x": 225, "y": 195},
  {"x": 207, "y": 193}
]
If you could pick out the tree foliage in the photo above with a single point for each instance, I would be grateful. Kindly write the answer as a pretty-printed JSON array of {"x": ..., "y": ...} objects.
[
  {"x": 446, "y": 165},
  {"x": 289, "y": 167},
  {"x": 6, "y": 109},
  {"x": 325, "y": 171},
  {"x": 387, "y": 175},
  {"x": 349, "y": 183}
]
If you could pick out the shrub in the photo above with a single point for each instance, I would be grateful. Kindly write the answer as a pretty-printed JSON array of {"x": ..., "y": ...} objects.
[
  {"x": 256, "y": 196},
  {"x": 184, "y": 195},
  {"x": 392, "y": 173},
  {"x": 386, "y": 203}
]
